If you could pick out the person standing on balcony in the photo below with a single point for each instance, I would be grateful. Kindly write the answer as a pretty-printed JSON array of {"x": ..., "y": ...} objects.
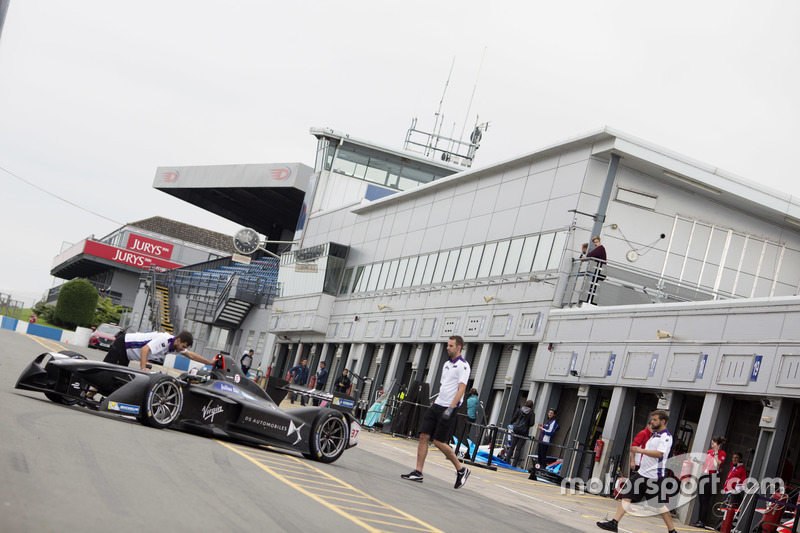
[{"x": 598, "y": 257}]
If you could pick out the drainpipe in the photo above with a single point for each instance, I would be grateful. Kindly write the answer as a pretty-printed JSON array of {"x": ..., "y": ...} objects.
[{"x": 605, "y": 198}]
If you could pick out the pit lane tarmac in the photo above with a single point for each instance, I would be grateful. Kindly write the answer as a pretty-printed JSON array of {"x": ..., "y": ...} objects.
[
  {"x": 496, "y": 500},
  {"x": 351, "y": 503}
]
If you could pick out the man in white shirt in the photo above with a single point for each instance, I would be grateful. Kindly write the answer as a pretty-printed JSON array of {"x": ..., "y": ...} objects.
[
  {"x": 439, "y": 420},
  {"x": 650, "y": 479},
  {"x": 152, "y": 346}
]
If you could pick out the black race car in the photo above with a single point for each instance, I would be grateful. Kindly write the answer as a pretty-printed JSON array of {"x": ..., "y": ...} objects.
[{"x": 219, "y": 402}]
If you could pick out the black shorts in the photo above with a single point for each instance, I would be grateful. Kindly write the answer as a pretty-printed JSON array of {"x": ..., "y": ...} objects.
[
  {"x": 639, "y": 488},
  {"x": 117, "y": 353},
  {"x": 432, "y": 423}
]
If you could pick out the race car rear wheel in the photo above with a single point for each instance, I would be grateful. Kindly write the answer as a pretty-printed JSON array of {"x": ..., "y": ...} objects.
[
  {"x": 163, "y": 401},
  {"x": 328, "y": 436}
]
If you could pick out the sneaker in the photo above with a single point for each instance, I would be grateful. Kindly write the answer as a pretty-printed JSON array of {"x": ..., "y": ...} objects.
[
  {"x": 611, "y": 525},
  {"x": 415, "y": 475},
  {"x": 461, "y": 477}
]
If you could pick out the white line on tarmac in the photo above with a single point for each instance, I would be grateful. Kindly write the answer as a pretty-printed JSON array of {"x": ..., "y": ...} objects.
[{"x": 535, "y": 499}]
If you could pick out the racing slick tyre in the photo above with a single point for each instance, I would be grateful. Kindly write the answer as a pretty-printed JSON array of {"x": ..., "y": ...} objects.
[
  {"x": 328, "y": 436},
  {"x": 163, "y": 401}
]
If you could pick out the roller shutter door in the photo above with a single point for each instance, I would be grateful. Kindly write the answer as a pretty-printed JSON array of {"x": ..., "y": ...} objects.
[
  {"x": 502, "y": 367},
  {"x": 527, "y": 381}
]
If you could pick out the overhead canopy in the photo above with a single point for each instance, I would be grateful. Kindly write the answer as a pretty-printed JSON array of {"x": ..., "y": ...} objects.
[{"x": 265, "y": 197}]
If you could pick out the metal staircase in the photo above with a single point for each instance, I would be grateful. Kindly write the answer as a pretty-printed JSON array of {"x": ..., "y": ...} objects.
[{"x": 161, "y": 311}]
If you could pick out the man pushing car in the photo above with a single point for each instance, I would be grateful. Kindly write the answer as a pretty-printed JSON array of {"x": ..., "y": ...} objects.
[{"x": 152, "y": 346}]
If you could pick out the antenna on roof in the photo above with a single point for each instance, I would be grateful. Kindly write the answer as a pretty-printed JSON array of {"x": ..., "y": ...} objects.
[
  {"x": 439, "y": 111},
  {"x": 457, "y": 152},
  {"x": 469, "y": 107}
]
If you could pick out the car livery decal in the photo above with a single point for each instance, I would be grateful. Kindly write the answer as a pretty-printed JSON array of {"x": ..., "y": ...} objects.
[
  {"x": 210, "y": 410},
  {"x": 123, "y": 408},
  {"x": 296, "y": 429},
  {"x": 344, "y": 403},
  {"x": 264, "y": 424},
  {"x": 224, "y": 387}
]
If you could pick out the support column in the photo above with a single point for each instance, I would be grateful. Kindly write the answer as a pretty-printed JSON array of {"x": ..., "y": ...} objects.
[
  {"x": 614, "y": 417},
  {"x": 394, "y": 363},
  {"x": 435, "y": 369},
  {"x": 483, "y": 379}
]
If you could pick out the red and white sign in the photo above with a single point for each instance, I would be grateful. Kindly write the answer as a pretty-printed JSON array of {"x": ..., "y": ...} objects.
[
  {"x": 126, "y": 257},
  {"x": 152, "y": 247}
]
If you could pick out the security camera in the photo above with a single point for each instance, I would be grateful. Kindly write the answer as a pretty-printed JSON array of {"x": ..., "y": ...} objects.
[
  {"x": 766, "y": 402},
  {"x": 574, "y": 373}
]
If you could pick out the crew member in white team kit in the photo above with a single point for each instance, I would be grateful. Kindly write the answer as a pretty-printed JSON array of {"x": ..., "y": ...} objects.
[
  {"x": 439, "y": 420},
  {"x": 649, "y": 481},
  {"x": 153, "y": 346}
]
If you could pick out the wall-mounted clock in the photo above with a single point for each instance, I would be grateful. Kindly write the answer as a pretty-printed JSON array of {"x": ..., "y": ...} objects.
[{"x": 246, "y": 241}]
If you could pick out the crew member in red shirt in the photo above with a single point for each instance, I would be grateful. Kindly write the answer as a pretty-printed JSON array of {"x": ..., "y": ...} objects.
[
  {"x": 639, "y": 440},
  {"x": 734, "y": 483},
  {"x": 707, "y": 483}
]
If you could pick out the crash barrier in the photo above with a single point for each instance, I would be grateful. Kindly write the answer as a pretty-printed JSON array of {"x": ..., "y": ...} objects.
[{"x": 55, "y": 334}]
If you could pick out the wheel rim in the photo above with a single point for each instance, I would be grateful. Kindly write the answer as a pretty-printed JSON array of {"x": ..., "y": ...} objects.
[
  {"x": 165, "y": 405},
  {"x": 332, "y": 436}
]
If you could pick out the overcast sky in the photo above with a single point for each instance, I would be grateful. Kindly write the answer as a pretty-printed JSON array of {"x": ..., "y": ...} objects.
[{"x": 95, "y": 95}]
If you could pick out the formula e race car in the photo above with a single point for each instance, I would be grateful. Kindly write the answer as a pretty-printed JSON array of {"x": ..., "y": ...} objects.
[{"x": 219, "y": 402}]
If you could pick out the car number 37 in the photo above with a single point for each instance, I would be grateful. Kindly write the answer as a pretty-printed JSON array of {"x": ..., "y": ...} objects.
[{"x": 355, "y": 429}]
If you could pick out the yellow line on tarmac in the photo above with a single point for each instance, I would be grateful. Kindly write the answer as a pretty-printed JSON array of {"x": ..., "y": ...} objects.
[
  {"x": 337, "y": 509},
  {"x": 50, "y": 345}
]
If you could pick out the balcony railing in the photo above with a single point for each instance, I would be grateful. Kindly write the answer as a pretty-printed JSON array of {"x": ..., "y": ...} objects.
[{"x": 619, "y": 284}]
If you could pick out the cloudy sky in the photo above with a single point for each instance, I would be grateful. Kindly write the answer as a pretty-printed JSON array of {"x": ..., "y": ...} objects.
[{"x": 96, "y": 94}]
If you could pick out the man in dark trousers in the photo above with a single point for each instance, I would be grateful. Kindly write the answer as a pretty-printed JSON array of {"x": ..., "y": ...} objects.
[
  {"x": 343, "y": 383},
  {"x": 439, "y": 419},
  {"x": 649, "y": 481},
  {"x": 299, "y": 374}
]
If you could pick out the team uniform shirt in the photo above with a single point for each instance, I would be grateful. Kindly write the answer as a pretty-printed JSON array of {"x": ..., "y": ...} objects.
[
  {"x": 160, "y": 344},
  {"x": 453, "y": 373},
  {"x": 322, "y": 378},
  {"x": 549, "y": 429},
  {"x": 652, "y": 467},
  {"x": 734, "y": 483},
  {"x": 710, "y": 465}
]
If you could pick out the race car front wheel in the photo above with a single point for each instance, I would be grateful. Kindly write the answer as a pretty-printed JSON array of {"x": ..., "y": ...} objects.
[
  {"x": 163, "y": 401},
  {"x": 328, "y": 436}
]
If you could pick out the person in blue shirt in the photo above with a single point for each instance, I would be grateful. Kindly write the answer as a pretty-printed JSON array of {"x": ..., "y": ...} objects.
[
  {"x": 472, "y": 414},
  {"x": 299, "y": 374},
  {"x": 472, "y": 405},
  {"x": 549, "y": 428}
]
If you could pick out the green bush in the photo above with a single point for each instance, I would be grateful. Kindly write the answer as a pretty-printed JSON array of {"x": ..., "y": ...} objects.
[
  {"x": 44, "y": 312},
  {"x": 77, "y": 304},
  {"x": 107, "y": 312}
]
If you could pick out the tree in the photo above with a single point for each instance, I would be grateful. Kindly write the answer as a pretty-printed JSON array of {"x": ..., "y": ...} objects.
[
  {"x": 107, "y": 312},
  {"x": 77, "y": 304}
]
